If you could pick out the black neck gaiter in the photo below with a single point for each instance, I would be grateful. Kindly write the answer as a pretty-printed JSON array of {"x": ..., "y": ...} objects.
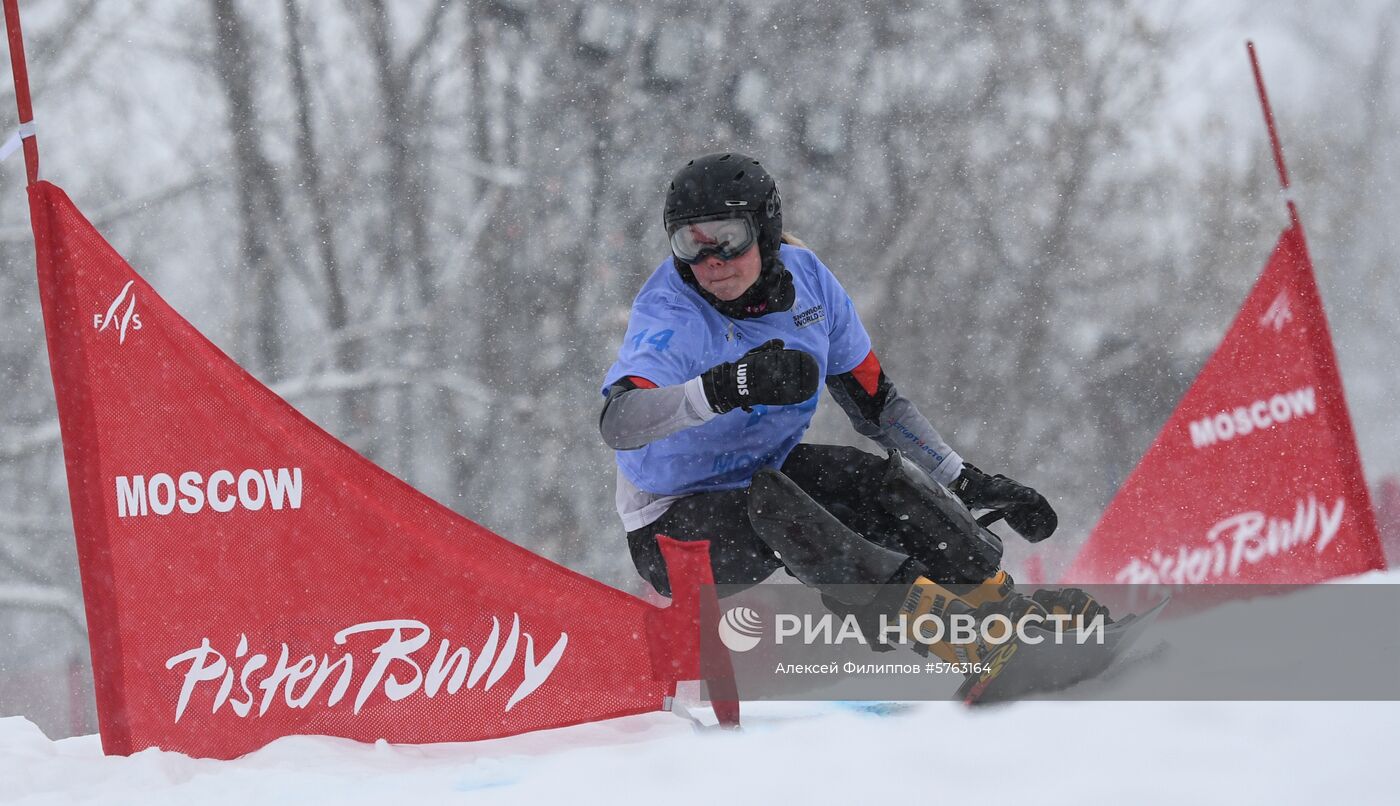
[{"x": 771, "y": 292}]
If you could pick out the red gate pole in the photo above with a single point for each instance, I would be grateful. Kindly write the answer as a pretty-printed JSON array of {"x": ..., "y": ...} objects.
[
  {"x": 1273, "y": 132},
  {"x": 21, "y": 74},
  {"x": 1322, "y": 339}
]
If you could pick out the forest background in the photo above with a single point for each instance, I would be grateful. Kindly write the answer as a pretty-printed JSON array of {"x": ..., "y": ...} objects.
[{"x": 423, "y": 223}]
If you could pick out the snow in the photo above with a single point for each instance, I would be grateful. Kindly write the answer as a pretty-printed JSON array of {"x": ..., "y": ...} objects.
[
  {"x": 1030, "y": 752},
  {"x": 1041, "y": 752}
]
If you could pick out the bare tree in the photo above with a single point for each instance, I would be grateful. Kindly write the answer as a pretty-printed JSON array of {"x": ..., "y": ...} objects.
[{"x": 260, "y": 205}]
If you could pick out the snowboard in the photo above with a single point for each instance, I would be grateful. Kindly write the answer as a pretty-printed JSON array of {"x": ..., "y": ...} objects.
[{"x": 1017, "y": 669}]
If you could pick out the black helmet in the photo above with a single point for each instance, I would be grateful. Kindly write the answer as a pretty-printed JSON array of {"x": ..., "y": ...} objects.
[
  {"x": 730, "y": 184},
  {"x": 727, "y": 183}
]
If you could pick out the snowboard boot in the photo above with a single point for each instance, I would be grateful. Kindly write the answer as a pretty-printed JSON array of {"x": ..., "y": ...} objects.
[
  {"x": 928, "y": 605},
  {"x": 999, "y": 587}
]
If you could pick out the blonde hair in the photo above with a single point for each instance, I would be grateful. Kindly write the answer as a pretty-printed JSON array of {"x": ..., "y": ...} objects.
[{"x": 789, "y": 238}]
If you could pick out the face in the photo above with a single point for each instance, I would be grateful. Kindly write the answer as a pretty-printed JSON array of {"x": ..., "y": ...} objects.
[{"x": 728, "y": 279}]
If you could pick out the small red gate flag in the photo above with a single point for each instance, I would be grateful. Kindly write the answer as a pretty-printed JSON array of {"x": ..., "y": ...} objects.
[{"x": 1255, "y": 477}]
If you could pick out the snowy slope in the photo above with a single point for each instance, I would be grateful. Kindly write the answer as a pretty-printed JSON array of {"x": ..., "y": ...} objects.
[{"x": 1031, "y": 752}]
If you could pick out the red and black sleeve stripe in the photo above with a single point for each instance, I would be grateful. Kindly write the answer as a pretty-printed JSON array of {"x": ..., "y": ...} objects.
[{"x": 866, "y": 386}]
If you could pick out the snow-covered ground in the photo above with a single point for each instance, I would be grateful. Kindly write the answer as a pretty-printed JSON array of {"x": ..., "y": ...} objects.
[{"x": 935, "y": 753}]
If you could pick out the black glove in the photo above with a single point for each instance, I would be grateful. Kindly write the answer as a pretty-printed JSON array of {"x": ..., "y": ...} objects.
[
  {"x": 1071, "y": 602},
  {"x": 767, "y": 375},
  {"x": 1025, "y": 510}
]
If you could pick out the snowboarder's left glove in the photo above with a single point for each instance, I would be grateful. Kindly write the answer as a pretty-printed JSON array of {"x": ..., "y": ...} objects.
[{"x": 1025, "y": 510}]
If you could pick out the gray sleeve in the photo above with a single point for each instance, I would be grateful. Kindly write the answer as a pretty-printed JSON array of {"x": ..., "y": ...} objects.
[
  {"x": 633, "y": 418},
  {"x": 898, "y": 425}
]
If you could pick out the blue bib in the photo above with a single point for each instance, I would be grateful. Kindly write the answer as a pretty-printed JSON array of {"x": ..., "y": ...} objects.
[{"x": 673, "y": 335}]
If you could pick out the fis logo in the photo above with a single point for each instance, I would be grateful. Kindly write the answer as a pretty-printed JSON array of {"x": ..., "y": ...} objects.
[
  {"x": 1278, "y": 313},
  {"x": 740, "y": 629},
  {"x": 119, "y": 320}
]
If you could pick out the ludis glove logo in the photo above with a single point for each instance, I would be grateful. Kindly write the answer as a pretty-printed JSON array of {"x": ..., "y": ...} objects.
[
  {"x": 119, "y": 320},
  {"x": 740, "y": 629}
]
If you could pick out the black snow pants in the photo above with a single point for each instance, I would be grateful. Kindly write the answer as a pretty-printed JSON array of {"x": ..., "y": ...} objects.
[{"x": 845, "y": 481}]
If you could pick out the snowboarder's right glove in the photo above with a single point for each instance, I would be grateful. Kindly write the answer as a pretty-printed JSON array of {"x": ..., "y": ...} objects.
[
  {"x": 1025, "y": 510},
  {"x": 767, "y": 375}
]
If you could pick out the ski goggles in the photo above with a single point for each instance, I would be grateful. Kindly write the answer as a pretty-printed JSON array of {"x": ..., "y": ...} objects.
[{"x": 726, "y": 237}]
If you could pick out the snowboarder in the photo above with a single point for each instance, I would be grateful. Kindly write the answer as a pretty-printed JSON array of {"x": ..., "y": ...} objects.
[{"x": 717, "y": 380}]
